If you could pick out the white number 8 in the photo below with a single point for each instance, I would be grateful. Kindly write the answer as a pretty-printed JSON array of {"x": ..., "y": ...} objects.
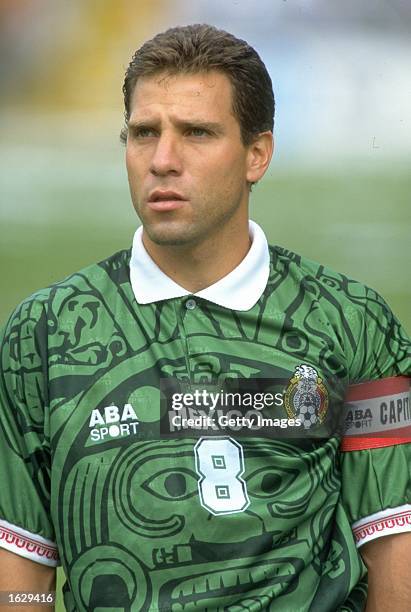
[{"x": 220, "y": 464}]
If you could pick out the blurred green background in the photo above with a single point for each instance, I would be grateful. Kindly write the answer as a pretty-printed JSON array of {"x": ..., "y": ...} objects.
[{"x": 339, "y": 189}]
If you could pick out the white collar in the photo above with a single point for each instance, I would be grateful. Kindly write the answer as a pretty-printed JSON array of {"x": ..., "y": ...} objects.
[{"x": 239, "y": 290}]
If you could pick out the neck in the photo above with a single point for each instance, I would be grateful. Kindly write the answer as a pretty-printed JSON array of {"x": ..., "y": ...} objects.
[{"x": 195, "y": 267}]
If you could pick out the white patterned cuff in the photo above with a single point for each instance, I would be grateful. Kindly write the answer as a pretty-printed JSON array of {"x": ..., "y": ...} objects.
[
  {"x": 385, "y": 522},
  {"x": 29, "y": 545}
]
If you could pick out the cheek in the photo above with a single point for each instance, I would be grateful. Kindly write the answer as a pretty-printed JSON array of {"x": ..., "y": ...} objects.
[
  {"x": 137, "y": 161},
  {"x": 134, "y": 176},
  {"x": 230, "y": 175},
  {"x": 221, "y": 169},
  {"x": 130, "y": 162}
]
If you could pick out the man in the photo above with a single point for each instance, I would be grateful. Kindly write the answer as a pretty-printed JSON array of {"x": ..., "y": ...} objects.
[{"x": 144, "y": 521}]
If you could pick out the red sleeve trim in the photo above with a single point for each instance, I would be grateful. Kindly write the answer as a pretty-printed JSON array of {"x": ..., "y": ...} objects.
[
  {"x": 385, "y": 522},
  {"x": 29, "y": 545}
]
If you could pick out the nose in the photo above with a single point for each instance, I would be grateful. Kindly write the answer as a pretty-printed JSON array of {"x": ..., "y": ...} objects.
[{"x": 166, "y": 157}]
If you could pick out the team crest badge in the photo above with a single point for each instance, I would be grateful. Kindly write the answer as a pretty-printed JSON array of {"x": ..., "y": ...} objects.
[{"x": 306, "y": 397}]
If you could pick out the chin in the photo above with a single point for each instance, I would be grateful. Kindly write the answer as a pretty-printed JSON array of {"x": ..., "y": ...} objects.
[{"x": 167, "y": 236}]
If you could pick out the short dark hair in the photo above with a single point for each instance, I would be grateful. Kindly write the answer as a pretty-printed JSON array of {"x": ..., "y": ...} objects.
[{"x": 201, "y": 48}]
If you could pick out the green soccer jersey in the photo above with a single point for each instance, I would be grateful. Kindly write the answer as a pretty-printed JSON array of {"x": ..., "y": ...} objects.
[{"x": 145, "y": 522}]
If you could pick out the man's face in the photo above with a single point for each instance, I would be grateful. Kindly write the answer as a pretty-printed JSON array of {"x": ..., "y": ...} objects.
[{"x": 187, "y": 166}]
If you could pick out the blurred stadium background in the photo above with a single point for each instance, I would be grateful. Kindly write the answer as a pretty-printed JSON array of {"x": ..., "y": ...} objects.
[{"x": 339, "y": 189}]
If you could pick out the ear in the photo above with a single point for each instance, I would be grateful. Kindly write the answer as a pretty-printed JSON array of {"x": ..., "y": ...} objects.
[{"x": 259, "y": 156}]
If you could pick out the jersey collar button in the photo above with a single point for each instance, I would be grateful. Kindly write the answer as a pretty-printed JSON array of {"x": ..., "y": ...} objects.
[{"x": 190, "y": 304}]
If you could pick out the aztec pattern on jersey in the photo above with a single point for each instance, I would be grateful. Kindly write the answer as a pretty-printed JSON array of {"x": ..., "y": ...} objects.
[{"x": 125, "y": 508}]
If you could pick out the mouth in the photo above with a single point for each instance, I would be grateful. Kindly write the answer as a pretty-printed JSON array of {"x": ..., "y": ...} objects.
[{"x": 165, "y": 200}]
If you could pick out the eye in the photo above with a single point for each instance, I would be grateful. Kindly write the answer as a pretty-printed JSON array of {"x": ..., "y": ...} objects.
[
  {"x": 270, "y": 481},
  {"x": 142, "y": 132},
  {"x": 198, "y": 132},
  {"x": 172, "y": 484}
]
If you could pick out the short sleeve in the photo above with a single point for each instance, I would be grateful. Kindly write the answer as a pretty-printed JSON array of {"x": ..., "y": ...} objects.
[
  {"x": 25, "y": 522},
  {"x": 376, "y": 448}
]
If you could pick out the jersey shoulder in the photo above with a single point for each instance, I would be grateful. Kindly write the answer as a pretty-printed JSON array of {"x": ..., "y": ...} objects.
[
  {"x": 373, "y": 338},
  {"x": 79, "y": 299},
  {"x": 328, "y": 282},
  {"x": 95, "y": 279}
]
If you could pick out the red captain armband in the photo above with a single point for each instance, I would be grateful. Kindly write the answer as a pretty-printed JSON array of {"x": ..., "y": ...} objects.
[{"x": 377, "y": 414}]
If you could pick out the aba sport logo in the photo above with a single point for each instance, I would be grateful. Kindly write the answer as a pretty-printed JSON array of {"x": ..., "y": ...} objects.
[
  {"x": 112, "y": 422},
  {"x": 306, "y": 397}
]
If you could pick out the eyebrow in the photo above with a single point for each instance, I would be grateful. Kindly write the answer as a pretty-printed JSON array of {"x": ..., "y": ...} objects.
[{"x": 182, "y": 124}]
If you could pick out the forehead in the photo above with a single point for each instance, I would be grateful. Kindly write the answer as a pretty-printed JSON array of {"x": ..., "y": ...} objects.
[{"x": 209, "y": 92}]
